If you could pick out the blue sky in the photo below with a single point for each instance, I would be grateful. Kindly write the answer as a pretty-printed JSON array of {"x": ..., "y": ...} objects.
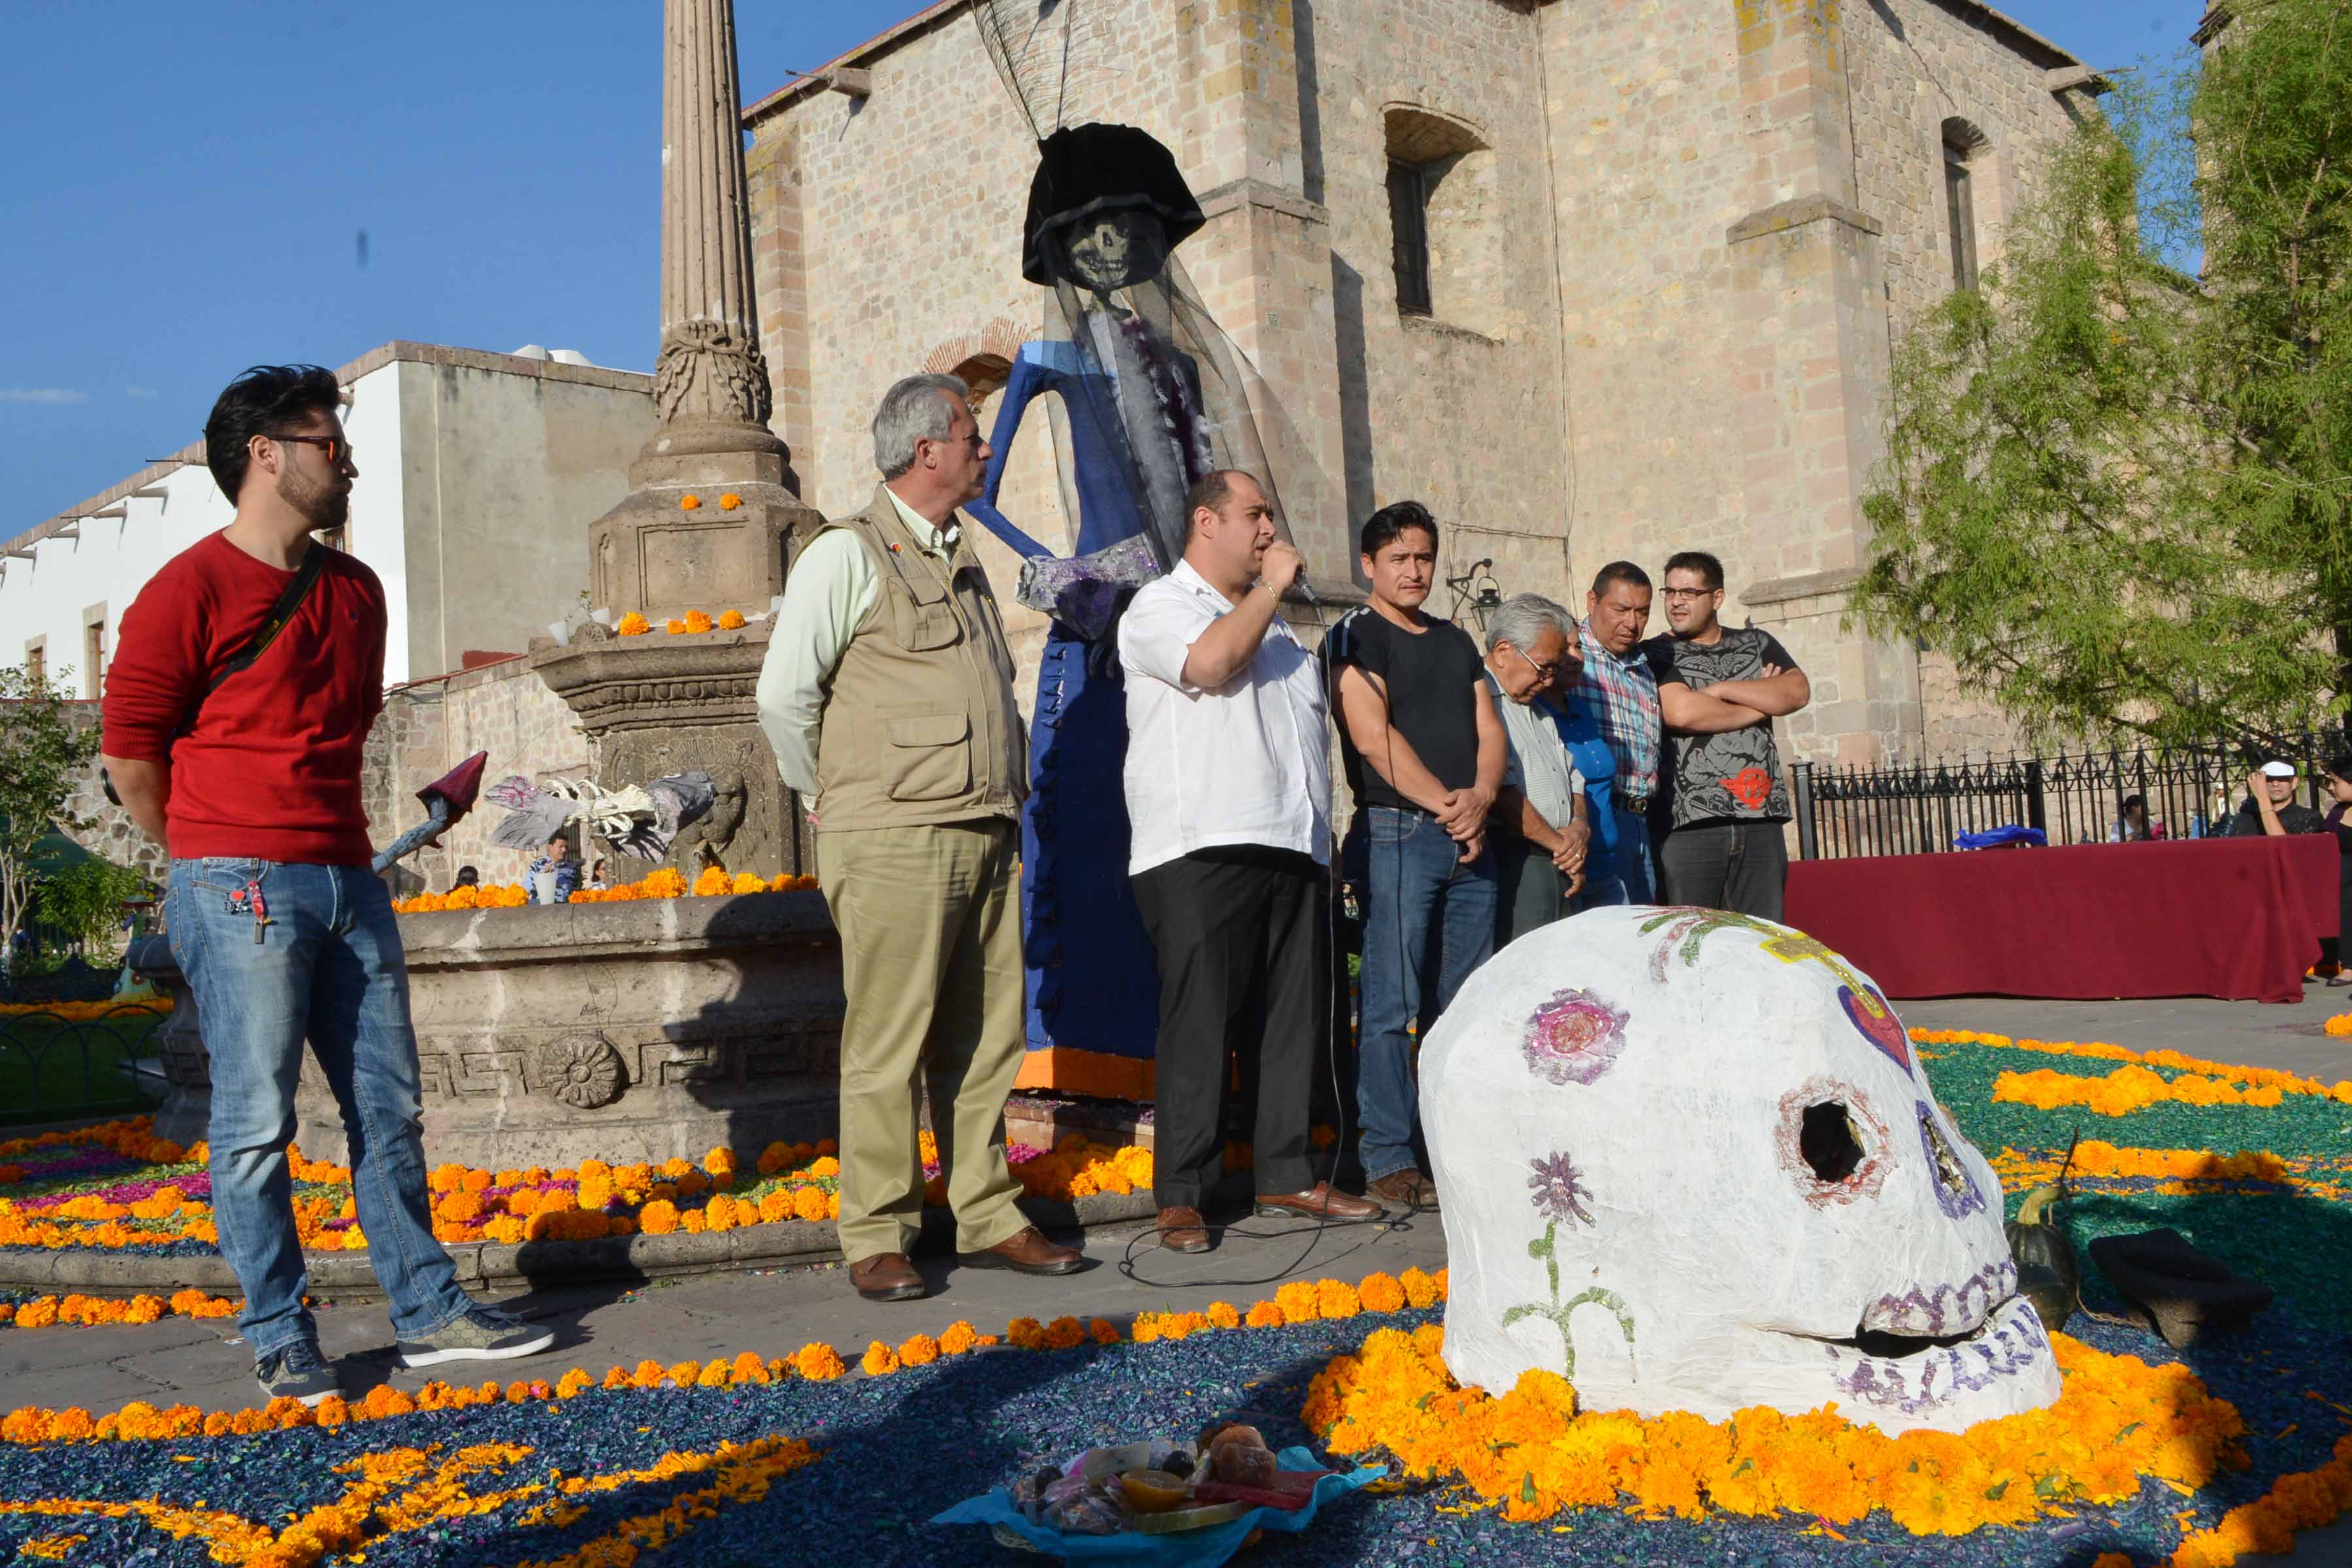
[{"x": 186, "y": 185}]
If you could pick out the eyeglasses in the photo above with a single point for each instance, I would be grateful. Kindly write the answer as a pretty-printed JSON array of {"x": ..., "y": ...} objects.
[
  {"x": 1546, "y": 672},
  {"x": 338, "y": 449},
  {"x": 1691, "y": 592}
]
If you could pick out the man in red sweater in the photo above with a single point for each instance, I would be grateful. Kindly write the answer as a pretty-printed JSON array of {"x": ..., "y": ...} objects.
[{"x": 275, "y": 917}]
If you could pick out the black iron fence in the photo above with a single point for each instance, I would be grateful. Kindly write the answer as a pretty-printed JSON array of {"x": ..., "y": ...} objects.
[
  {"x": 1920, "y": 808},
  {"x": 78, "y": 1060}
]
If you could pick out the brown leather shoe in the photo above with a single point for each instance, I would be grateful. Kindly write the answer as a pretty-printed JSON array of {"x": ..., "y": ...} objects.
[
  {"x": 888, "y": 1277},
  {"x": 1407, "y": 1189},
  {"x": 1320, "y": 1201},
  {"x": 1183, "y": 1230},
  {"x": 1028, "y": 1251}
]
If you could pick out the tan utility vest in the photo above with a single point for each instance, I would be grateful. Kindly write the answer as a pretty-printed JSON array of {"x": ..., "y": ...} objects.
[{"x": 919, "y": 722}]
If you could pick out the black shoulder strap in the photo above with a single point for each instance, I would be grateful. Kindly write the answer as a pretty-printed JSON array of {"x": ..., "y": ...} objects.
[{"x": 305, "y": 576}]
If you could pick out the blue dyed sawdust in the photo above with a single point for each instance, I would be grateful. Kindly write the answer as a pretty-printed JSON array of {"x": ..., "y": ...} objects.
[{"x": 896, "y": 1449}]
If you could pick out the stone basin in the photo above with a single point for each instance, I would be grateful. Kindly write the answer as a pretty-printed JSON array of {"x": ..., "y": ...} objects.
[{"x": 652, "y": 1029}]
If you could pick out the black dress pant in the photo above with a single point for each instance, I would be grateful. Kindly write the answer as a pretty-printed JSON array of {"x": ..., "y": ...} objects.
[{"x": 1242, "y": 934}]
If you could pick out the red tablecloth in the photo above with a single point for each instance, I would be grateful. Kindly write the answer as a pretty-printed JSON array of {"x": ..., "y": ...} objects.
[{"x": 2233, "y": 918}]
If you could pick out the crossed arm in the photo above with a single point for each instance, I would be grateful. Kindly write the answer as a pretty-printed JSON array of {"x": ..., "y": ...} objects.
[{"x": 1733, "y": 704}]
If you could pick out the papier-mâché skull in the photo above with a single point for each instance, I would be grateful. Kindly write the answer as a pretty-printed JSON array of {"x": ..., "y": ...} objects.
[{"x": 1689, "y": 1158}]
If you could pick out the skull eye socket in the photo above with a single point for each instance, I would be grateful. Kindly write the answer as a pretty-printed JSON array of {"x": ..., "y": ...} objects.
[{"x": 1826, "y": 1140}]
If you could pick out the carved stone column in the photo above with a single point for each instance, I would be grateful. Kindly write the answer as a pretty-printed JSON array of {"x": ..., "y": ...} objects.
[
  {"x": 714, "y": 512},
  {"x": 713, "y": 507}
]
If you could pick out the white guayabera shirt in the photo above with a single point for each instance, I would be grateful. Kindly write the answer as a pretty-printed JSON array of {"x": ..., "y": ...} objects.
[{"x": 1245, "y": 763}]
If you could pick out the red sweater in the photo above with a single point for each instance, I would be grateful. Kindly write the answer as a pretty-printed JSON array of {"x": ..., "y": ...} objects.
[{"x": 272, "y": 768}]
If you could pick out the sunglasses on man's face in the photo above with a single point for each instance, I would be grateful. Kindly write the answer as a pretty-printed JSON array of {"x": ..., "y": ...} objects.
[{"x": 338, "y": 449}]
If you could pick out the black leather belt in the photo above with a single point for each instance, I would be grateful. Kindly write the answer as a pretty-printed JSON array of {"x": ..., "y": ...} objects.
[{"x": 1634, "y": 805}]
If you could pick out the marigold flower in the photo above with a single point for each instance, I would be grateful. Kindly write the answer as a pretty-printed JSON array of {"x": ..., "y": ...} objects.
[
  {"x": 696, "y": 623},
  {"x": 1380, "y": 1293},
  {"x": 812, "y": 1202},
  {"x": 818, "y": 1362},
  {"x": 748, "y": 1368},
  {"x": 730, "y": 620},
  {"x": 919, "y": 1351},
  {"x": 658, "y": 1217},
  {"x": 959, "y": 1337},
  {"x": 1263, "y": 1315},
  {"x": 1064, "y": 1333},
  {"x": 729, "y": 502},
  {"x": 1224, "y": 1315},
  {"x": 1104, "y": 1330},
  {"x": 1298, "y": 1299},
  {"x": 712, "y": 882},
  {"x": 689, "y": 503},
  {"x": 674, "y": 626}
]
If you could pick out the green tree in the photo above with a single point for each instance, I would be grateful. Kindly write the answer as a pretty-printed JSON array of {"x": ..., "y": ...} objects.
[
  {"x": 83, "y": 903},
  {"x": 2117, "y": 495},
  {"x": 43, "y": 754}
]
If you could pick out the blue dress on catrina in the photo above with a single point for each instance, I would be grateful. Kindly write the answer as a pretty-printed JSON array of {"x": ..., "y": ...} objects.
[{"x": 1132, "y": 438}]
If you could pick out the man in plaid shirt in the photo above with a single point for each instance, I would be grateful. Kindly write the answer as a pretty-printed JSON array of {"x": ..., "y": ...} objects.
[{"x": 1618, "y": 692}]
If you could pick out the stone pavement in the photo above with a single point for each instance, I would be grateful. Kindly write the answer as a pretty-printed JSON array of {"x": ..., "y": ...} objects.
[{"x": 775, "y": 1313}]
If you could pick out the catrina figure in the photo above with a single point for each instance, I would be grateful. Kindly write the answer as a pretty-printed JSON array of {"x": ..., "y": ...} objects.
[{"x": 1146, "y": 399}]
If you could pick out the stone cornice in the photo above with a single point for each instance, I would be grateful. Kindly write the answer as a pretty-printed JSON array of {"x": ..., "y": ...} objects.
[
  {"x": 633, "y": 684},
  {"x": 1797, "y": 213},
  {"x": 1235, "y": 195},
  {"x": 1803, "y": 586}
]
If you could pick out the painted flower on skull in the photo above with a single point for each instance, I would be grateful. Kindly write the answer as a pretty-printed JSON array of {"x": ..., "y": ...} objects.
[
  {"x": 1575, "y": 1037},
  {"x": 1559, "y": 1191}
]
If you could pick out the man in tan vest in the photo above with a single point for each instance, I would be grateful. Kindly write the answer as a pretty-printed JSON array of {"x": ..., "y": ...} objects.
[{"x": 888, "y": 694}]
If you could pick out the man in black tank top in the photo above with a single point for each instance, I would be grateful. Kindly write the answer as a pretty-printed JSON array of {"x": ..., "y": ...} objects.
[{"x": 1425, "y": 752}]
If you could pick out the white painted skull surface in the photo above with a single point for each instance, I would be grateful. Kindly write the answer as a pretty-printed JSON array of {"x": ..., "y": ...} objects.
[{"x": 1690, "y": 1159}]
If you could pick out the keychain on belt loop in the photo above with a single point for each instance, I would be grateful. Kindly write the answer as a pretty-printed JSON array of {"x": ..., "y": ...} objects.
[{"x": 261, "y": 920}]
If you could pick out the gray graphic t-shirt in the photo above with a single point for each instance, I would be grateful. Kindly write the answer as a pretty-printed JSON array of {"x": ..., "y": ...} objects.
[{"x": 1734, "y": 776}]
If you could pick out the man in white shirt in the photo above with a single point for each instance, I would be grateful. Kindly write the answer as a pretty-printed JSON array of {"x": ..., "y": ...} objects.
[{"x": 1229, "y": 792}]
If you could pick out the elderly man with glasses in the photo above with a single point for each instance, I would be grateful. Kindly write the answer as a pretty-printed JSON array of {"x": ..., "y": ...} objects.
[
  {"x": 887, "y": 695},
  {"x": 1541, "y": 825}
]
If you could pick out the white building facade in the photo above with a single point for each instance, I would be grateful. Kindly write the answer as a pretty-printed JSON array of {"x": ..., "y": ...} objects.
[{"x": 479, "y": 474}]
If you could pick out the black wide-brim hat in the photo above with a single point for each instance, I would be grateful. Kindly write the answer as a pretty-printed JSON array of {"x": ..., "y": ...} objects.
[{"x": 1087, "y": 169}]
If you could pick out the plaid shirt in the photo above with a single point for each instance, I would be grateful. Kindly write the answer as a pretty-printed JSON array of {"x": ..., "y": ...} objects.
[{"x": 1622, "y": 695}]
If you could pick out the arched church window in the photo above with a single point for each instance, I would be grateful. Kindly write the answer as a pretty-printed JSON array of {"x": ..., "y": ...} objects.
[
  {"x": 1444, "y": 220},
  {"x": 1964, "y": 148}
]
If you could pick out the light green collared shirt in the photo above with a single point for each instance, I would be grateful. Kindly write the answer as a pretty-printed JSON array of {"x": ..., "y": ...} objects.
[{"x": 832, "y": 587}]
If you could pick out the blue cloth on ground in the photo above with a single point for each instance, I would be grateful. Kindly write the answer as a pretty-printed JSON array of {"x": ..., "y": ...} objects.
[{"x": 1185, "y": 1549}]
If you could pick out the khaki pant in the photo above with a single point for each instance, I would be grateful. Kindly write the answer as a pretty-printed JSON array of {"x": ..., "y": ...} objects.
[{"x": 930, "y": 956}]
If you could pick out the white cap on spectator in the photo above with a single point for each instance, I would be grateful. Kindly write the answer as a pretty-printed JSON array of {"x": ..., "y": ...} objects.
[{"x": 2278, "y": 770}]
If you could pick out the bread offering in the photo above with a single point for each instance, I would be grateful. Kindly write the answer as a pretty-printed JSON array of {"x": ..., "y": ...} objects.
[{"x": 1163, "y": 1486}]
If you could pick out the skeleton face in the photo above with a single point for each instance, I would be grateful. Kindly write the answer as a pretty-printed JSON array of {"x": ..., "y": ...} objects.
[
  {"x": 1112, "y": 249},
  {"x": 1690, "y": 1159}
]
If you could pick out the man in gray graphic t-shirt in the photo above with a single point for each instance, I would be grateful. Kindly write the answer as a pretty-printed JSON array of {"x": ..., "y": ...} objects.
[{"x": 1723, "y": 847}]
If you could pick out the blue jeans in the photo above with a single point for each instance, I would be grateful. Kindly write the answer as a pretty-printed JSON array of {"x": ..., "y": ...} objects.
[
  {"x": 1624, "y": 875},
  {"x": 1428, "y": 918},
  {"x": 327, "y": 967}
]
